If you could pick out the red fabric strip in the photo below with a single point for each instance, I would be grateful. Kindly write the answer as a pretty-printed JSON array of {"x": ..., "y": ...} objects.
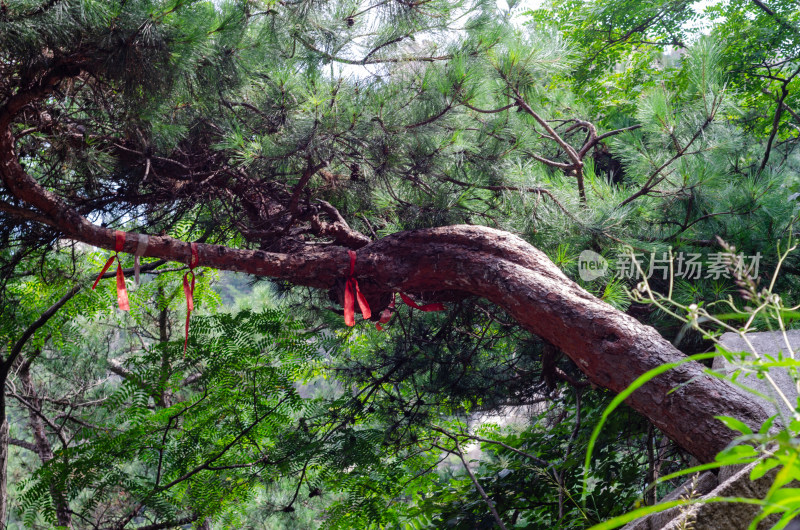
[
  {"x": 119, "y": 240},
  {"x": 188, "y": 291},
  {"x": 386, "y": 316},
  {"x": 105, "y": 268},
  {"x": 362, "y": 302},
  {"x": 352, "y": 294},
  {"x": 349, "y": 304},
  {"x": 195, "y": 259},
  {"x": 122, "y": 292},
  {"x": 427, "y": 307}
]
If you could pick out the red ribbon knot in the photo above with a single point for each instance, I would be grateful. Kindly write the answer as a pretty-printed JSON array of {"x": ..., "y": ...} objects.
[
  {"x": 353, "y": 293},
  {"x": 122, "y": 292}
]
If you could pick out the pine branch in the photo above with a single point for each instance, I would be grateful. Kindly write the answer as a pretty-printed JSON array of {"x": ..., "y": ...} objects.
[
  {"x": 652, "y": 179},
  {"x": 538, "y": 191},
  {"x": 367, "y": 60}
]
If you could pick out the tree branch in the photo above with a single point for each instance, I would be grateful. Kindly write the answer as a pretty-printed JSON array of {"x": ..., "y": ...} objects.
[
  {"x": 16, "y": 349},
  {"x": 474, "y": 480},
  {"x": 568, "y": 149},
  {"x": 539, "y": 191},
  {"x": 786, "y": 107},
  {"x": 25, "y": 445},
  {"x": 779, "y": 19},
  {"x": 598, "y": 139},
  {"x": 28, "y": 215},
  {"x": 545, "y": 464},
  {"x": 610, "y": 347},
  {"x": 338, "y": 229},
  {"x": 776, "y": 120},
  {"x": 367, "y": 60}
]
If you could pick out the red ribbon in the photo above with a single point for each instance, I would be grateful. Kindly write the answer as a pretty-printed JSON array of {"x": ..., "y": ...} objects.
[
  {"x": 122, "y": 292},
  {"x": 188, "y": 290},
  {"x": 353, "y": 293},
  {"x": 427, "y": 307},
  {"x": 386, "y": 315}
]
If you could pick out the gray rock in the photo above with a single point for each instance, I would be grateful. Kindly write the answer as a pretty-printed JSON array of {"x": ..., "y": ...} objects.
[
  {"x": 734, "y": 481},
  {"x": 716, "y": 515},
  {"x": 694, "y": 487},
  {"x": 727, "y": 515},
  {"x": 765, "y": 343}
]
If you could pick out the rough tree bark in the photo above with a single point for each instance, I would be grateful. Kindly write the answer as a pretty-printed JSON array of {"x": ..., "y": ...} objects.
[
  {"x": 610, "y": 347},
  {"x": 43, "y": 447}
]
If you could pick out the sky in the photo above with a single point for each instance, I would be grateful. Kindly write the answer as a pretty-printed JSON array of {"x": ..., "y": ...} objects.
[{"x": 524, "y": 5}]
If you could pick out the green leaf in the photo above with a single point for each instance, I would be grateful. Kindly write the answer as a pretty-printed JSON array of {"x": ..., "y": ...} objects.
[
  {"x": 767, "y": 425},
  {"x": 734, "y": 424},
  {"x": 763, "y": 467},
  {"x": 735, "y": 454}
]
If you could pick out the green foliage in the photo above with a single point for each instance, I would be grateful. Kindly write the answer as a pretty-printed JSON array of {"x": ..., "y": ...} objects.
[
  {"x": 527, "y": 493},
  {"x": 199, "y": 119},
  {"x": 773, "y": 448},
  {"x": 204, "y": 453}
]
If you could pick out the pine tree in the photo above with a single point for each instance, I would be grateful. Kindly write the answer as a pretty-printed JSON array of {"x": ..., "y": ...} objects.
[{"x": 420, "y": 135}]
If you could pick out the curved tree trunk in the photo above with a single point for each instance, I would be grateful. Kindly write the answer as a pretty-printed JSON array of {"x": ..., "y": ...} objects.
[{"x": 609, "y": 346}]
